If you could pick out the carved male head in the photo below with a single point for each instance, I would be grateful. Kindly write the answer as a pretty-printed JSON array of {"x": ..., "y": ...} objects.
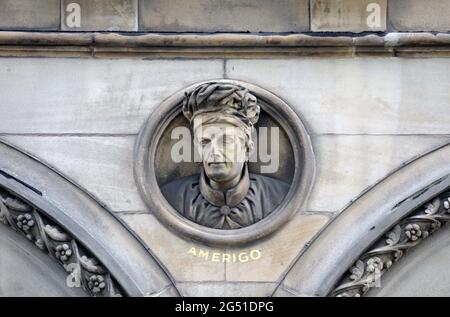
[{"x": 222, "y": 118}]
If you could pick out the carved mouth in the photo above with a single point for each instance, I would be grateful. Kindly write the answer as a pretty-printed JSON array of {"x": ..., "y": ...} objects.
[{"x": 216, "y": 163}]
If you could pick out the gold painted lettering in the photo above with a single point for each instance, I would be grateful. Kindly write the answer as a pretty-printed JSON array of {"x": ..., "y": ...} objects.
[
  {"x": 192, "y": 251},
  {"x": 215, "y": 257},
  {"x": 226, "y": 257},
  {"x": 255, "y": 255},
  {"x": 243, "y": 257},
  {"x": 203, "y": 254}
]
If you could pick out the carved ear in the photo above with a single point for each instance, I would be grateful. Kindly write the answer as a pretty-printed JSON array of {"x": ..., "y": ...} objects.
[{"x": 250, "y": 147}]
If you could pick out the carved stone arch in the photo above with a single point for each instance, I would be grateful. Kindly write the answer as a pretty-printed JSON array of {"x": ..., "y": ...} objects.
[
  {"x": 95, "y": 250},
  {"x": 373, "y": 232}
]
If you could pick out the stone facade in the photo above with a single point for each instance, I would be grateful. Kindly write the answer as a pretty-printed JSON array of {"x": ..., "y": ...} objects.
[{"x": 371, "y": 114}]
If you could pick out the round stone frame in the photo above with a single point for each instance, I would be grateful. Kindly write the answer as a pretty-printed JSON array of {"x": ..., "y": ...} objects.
[{"x": 145, "y": 176}]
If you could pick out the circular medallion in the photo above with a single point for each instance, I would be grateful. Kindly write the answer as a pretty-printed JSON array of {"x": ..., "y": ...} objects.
[{"x": 224, "y": 162}]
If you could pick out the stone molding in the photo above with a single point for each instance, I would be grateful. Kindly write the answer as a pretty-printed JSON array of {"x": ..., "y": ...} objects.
[
  {"x": 367, "y": 271},
  {"x": 96, "y": 44},
  {"x": 84, "y": 270}
]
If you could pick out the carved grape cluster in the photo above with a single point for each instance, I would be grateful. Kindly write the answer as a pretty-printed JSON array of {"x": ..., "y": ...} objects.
[
  {"x": 25, "y": 222},
  {"x": 63, "y": 252}
]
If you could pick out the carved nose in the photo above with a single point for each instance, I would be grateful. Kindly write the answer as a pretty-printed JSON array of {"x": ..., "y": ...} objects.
[
  {"x": 215, "y": 158},
  {"x": 216, "y": 152},
  {"x": 215, "y": 148}
]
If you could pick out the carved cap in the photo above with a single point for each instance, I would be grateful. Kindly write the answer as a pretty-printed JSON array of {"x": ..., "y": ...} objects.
[{"x": 222, "y": 100}]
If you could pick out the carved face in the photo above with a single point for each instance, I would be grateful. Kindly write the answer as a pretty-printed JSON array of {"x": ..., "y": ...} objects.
[{"x": 224, "y": 150}]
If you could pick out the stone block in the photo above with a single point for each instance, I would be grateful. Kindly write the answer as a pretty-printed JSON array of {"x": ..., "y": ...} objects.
[
  {"x": 99, "y": 15},
  {"x": 347, "y": 165},
  {"x": 29, "y": 15},
  {"x": 57, "y": 95},
  {"x": 418, "y": 15},
  {"x": 348, "y": 15},
  {"x": 224, "y": 16},
  {"x": 103, "y": 166}
]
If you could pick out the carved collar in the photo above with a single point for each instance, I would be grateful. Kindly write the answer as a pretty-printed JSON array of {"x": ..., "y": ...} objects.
[{"x": 230, "y": 197}]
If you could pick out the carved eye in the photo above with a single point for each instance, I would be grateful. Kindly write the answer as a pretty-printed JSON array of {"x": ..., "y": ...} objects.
[
  {"x": 228, "y": 139},
  {"x": 205, "y": 141}
]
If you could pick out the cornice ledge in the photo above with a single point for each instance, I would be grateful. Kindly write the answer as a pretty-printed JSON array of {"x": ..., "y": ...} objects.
[{"x": 222, "y": 40}]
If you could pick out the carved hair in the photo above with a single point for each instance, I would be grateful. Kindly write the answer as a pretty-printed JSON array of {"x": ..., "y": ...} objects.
[{"x": 225, "y": 100}]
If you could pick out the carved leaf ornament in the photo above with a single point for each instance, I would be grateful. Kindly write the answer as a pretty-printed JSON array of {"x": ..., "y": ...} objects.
[{"x": 409, "y": 232}]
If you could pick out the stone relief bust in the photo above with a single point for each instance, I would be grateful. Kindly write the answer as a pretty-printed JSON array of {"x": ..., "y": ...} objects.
[{"x": 224, "y": 195}]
